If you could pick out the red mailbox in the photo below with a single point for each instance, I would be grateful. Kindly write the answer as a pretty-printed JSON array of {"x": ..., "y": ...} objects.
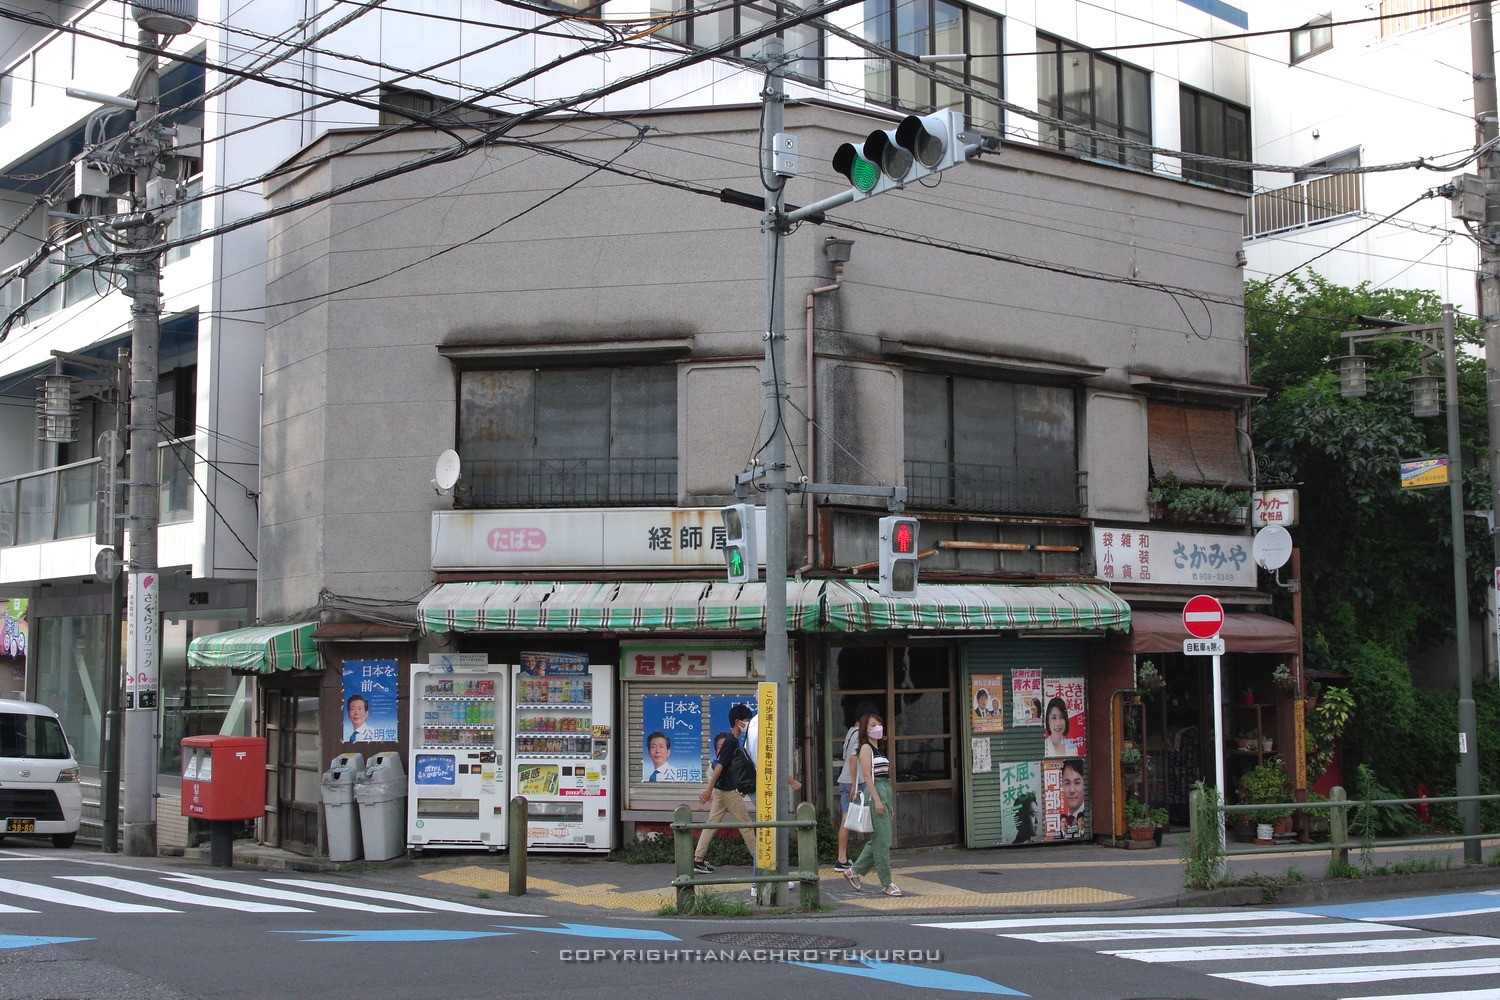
[{"x": 223, "y": 777}]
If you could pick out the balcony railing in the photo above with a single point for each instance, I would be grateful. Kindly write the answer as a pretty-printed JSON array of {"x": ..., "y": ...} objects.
[
  {"x": 995, "y": 489},
  {"x": 63, "y": 502},
  {"x": 1304, "y": 204},
  {"x": 575, "y": 482}
]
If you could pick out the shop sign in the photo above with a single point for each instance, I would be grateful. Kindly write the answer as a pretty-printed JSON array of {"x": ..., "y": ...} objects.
[
  {"x": 1173, "y": 558},
  {"x": 634, "y": 538},
  {"x": 676, "y": 663}
]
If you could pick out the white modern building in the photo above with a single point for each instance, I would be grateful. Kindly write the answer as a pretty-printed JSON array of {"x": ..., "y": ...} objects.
[{"x": 1362, "y": 85}]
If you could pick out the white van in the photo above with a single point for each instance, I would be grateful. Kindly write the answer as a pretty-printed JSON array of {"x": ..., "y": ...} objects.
[{"x": 39, "y": 789}]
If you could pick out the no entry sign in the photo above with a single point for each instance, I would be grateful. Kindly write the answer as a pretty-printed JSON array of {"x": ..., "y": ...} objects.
[{"x": 1203, "y": 616}]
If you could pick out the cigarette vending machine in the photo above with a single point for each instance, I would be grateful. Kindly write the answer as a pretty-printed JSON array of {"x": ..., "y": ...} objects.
[
  {"x": 563, "y": 733},
  {"x": 459, "y": 793}
]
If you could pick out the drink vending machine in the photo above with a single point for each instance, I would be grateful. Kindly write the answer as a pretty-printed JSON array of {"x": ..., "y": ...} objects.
[
  {"x": 563, "y": 732},
  {"x": 459, "y": 792}
]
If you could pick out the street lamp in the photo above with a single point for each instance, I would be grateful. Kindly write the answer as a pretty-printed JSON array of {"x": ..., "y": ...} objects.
[{"x": 1437, "y": 340}]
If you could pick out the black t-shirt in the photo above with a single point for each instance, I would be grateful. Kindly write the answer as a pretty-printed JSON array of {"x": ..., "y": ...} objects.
[{"x": 727, "y": 750}]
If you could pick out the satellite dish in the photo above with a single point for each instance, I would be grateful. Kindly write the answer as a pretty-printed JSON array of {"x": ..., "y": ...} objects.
[
  {"x": 448, "y": 467},
  {"x": 1272, "y": 547}
]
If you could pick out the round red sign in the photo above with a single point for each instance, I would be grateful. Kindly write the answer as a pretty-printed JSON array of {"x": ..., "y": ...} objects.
[{"x": 1203, "y": 616}]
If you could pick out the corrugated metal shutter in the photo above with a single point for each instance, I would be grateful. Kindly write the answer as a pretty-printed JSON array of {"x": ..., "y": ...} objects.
[{"x": 1055, "y": 658}]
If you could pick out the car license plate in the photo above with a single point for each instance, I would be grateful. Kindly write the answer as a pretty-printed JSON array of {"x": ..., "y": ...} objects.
[{"x": 20, "y": 826}]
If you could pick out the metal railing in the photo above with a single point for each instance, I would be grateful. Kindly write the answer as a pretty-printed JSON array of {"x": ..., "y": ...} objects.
[
  {"x": 1304, "y": 204},
  {"x": 1337, "y": 807},
  {"x": 567, "y": 482},
  {"x": 63, "y": 502},
  {"x": 806, "y": 825},
  {"x": 995, "y": 489}
]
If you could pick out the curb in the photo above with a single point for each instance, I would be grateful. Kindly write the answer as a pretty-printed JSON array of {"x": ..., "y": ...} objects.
[{"x": 1365, "y": 887}]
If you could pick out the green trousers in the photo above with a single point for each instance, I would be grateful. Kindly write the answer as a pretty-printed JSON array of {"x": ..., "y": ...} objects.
[{"x": 877, "y": 852}]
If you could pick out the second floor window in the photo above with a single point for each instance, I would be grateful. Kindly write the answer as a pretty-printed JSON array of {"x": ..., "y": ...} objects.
[
  {"x": 1214, "y": 127},
  {"x": 568, "y": 437},
  {"x": 933, "y": 27},
  {"x": 1313, "y": 37},
  {"x": 705, "y": 23},
  {"x": 981, "y": 445},
  {"x": 1083, "y": 88}
]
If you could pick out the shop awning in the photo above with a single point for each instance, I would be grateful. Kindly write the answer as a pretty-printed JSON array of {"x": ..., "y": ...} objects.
[
  {"x": 261, "y": 649},
  {"x": 856, "y": 606},
  {"x": 631, "y": 606},
  {"x": 1243, "y": 632},
  {"x": 812, "y": 606}
]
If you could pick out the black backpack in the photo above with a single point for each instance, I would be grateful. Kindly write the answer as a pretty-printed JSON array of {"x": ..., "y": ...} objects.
[{"x": 742, "y": 771}]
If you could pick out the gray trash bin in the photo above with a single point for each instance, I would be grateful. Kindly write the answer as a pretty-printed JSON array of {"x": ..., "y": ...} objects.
[
  {"x": 380, "y": 790},
  {"x": 340, "y": 814}
]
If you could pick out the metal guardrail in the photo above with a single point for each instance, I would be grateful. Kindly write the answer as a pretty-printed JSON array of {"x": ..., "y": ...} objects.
[
  {"x": 1337, "y": 806},
  {"x": 806, "y": 825}
]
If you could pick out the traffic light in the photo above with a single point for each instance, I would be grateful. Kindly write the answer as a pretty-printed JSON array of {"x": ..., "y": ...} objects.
[
  {"x": 898, "y": 556},
  {"x": 740, "y": 551},
  {"x": 919, "y": 147}
]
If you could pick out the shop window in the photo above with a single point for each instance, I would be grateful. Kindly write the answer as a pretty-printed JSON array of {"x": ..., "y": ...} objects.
[
  {"x": 1087, "y": 89},
  {"x": 983, "y": 445},
  {"x": 568, "y": 438},
  {"x": 1214, "y": 127},
  {"x": 933, "y": 27}
]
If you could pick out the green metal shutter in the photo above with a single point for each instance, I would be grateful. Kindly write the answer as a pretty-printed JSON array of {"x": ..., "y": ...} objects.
[{"x": 1056, "y": 658}]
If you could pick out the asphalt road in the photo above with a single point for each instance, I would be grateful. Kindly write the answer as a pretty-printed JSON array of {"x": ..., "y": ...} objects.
[{"x": 81, "y": 925}]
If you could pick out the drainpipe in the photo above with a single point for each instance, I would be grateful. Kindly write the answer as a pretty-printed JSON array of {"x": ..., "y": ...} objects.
[{"x": 812, "y": 408}]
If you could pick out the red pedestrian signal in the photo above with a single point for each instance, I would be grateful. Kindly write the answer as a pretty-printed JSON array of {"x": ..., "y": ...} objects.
[{"x": 898, "y": 556}]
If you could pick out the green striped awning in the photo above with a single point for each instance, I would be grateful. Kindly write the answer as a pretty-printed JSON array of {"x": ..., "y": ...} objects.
[
  {"x": 261, "y": 649},
  {"x": 630, "y": 606},
  {"x": 856, "y": 606},
  {"x": 812, "y": 606}
]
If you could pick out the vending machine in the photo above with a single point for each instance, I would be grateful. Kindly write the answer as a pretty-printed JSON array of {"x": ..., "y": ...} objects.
[
  {"x": 563, "y": 727},
  {"x": 459, "y": 793}
]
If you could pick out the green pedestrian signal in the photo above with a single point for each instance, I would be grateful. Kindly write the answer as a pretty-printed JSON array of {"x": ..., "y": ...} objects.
[{"x": 741, "y": 555}]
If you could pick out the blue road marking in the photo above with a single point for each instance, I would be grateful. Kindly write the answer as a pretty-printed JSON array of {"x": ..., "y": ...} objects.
[
  {"x": 918, "y": 976},
  {"x": 594, "y": 931},
  {"x": 413, "y": 934},
  {"x": 31, "y": 941},
  {"x": 1454, "y": 905}
]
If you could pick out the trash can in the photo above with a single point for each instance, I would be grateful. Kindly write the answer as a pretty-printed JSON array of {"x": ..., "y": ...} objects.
[
  {"x": 340, "y": 814},
  {"x": 380, "y": 790}
]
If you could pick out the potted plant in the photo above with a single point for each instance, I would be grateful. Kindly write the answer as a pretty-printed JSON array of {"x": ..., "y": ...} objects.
[
  {"x": 1148, "y": 678},
  {"x": 1159, "y": 821},
  {"x": 1248, "y": 740},
  {"x": 1139, "y": 820},
  {"x": 1130, "y": 756},
  {"x": 1267, "y": 783},
  {"x": 1282, "y": 677},
  {"x": 1248, "y": 694}
]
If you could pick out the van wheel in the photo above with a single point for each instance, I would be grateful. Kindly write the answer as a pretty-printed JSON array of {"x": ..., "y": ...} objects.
[{"x": 64, "y": 840}]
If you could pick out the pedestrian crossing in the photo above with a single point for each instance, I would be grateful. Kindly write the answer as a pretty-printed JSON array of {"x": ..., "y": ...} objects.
[
  {"x": 156, "y": 892},
  {"x": 1305, "y": 948}
]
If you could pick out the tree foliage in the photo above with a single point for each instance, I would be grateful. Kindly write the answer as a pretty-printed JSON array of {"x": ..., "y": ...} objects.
[{"x": 1376, "y": 559}]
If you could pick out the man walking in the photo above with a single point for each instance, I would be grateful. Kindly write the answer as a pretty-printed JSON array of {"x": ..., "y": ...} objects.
[{"x": 725, "y": 797}]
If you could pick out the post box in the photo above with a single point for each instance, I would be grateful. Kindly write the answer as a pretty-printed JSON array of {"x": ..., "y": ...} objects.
[{"x": 223, "y": 777}]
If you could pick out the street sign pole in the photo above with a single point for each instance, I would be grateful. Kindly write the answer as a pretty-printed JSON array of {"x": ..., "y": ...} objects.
[{"x": 1203, "y": 618}]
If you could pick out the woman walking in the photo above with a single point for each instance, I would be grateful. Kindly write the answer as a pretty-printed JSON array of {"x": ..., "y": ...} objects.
[{"x": 873, "y": 777}]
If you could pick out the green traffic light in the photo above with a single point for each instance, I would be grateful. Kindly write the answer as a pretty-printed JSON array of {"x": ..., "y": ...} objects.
[
  {"x": 736, "y": 560},
  {"x": 863, "y": 173}
]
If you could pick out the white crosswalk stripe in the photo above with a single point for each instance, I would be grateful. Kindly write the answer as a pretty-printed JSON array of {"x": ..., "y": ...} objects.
[
  {"x": 167, "y": 894},
  {"x": 1289, "y": 948},
  {"x": 161, "y": 892}
]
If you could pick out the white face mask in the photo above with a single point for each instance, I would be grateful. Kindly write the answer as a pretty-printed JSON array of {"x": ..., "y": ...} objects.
[{"x": 877, "y": 732}]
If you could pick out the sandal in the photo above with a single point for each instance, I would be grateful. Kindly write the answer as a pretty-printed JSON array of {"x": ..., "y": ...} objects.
[
  {"x": 892, "y": 890},
  {"x": 853, "y": 879}
]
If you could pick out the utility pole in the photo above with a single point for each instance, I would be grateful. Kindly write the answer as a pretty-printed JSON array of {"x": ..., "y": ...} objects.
[
  {"x": 1486, "y": 132},
  {"x": 777, "y": 666},
  {"x": 143, "y": 286}
]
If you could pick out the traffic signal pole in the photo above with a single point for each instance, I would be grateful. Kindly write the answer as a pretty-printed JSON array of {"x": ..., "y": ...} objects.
[{"x": 775, "y": 482}]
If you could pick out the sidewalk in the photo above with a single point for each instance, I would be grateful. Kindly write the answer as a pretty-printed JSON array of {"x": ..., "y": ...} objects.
[{"x": 942, "y": 881}]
